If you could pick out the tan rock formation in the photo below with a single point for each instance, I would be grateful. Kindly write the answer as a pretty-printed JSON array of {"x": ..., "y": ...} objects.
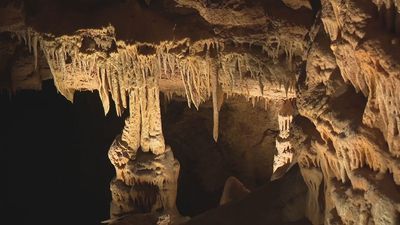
[
  {"x": 354, "y": 159},
  {"x": 284, "y": 148},
  {"x": 233, "y": 190},
  {"x": 228, "y": 12},
  {"x": 297, "y": 4},
  {"x": 341, "y": 66}
]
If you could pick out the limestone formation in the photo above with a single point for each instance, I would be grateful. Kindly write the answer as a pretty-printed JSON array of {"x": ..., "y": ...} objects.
[
  {"x": 233, "y": 190},
  {"x": 284, "y": 148},
  {"x": 352, "y": 157},
  {"x": 332, "y": 65},
  {"x": 297, "y": 4}
]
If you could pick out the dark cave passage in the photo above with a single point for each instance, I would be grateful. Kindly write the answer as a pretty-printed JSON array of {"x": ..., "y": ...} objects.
[{"x": 57, "y": 166}]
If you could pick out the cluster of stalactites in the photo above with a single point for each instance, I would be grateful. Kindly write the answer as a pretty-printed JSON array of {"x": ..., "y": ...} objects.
[
  {"x": 283, "y": 146},
  {"x": 143, "y": 127},
  {"x": 284, "y": 154},
  {"x": 124, "y": 69},
  {"x": 338, "y": 162},
  {"x": 284, "y": 122},
  {"x": 31, "y": 39},
  {"x": 87, "y": 61},
  {"x": 127, "y": 69},
  {"x": 387, "y": 4},
  {"x": 376, "y": 79}
]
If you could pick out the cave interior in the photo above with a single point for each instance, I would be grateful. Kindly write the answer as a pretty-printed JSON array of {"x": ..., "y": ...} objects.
[{"x": 169, "y": 112}]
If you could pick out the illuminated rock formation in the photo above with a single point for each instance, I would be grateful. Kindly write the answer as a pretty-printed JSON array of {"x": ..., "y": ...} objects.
[
  {"x": 335, "y": 69},
  {"x": 356, "y": 158},
  {"x": 148, "y": 184},
  {"x": 284, "y": 148},
  {"x": 146, "y": 170}
]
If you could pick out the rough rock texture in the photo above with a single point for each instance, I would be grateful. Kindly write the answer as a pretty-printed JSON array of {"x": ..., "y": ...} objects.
[
  {"x": 228, "y": 12},
  {"x": 283, "y": 146},
  {"x": 356, "y": 158},
  {"x": 297, "y": 4},
  {"x": 338, "y": 63}
]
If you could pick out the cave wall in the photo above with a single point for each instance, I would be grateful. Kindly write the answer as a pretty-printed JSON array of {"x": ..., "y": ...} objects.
[{"x": 356, "y": 162}]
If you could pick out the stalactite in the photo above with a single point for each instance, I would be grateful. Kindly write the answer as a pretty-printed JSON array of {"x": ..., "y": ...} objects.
[
  {"x": 157, "y": 144},
  {"x": 116, "y": 91},
  {"x": 145, "y": 126},
  {"x": 194, "y": 79},
  {"x": 104, "y": 90},
  {"x": 266, "y": 104},
  {"x": 214, "y": 85},
  {"x": 189, "y": 84},
  {"x": 284, "y": 148},
  {"x": 220, "y": 97},
  {"x": 171, "y": 64},
  {"x": 28, "y": 34},
  {"x": 24, "y": 37},
  {"x": 35, "y": 51},
  {"x": 186, "y": 88},
  {"x": 239, "y": 68},
  {"x": 253, "y": 101}
]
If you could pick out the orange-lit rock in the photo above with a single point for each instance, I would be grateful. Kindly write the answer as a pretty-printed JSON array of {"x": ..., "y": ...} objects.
[{"x": 332, "y": 75}]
